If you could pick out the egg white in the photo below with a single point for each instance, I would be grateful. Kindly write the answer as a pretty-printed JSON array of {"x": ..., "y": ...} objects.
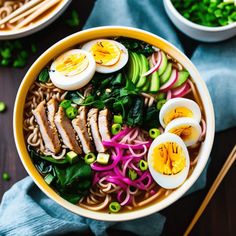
[
  {"x": 179, "y": 102},
  {"x": 186, "y": 121},
  {"x": 112, "y": 68},
  {"x": 168, "y": 181},
  {"x": 72, "y": 82}
]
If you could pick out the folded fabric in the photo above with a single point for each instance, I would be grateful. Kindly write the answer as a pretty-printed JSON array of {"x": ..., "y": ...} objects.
[{"x": 25, "y": 210}]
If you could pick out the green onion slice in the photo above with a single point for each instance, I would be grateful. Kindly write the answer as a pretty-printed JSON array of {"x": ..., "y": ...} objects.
[
  {"x": 89, "y": 158},
  {"x": 114, "y": 207}
]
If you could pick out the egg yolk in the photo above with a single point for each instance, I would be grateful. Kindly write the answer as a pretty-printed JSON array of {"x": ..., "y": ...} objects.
[
  {"x": 185, "y": 132},
  {"x": 105, "y": 53},
  {"x": 177, "y": 113},
  {"x": 168, "y": 158},
  {"x": 72, "y": 64}
]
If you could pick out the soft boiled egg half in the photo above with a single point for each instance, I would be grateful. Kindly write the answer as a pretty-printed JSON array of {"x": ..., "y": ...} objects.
[
  {"x": 179, "y": 107},
  {"x": 188, "y": 129},
  {"x": 168, "y": 160},
  {"x": 110, "y": 56},
  {"x": 72, "y": 70}
]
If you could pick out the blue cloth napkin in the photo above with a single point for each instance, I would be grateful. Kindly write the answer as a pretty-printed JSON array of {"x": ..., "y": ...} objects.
[{"x": 25, "y": 210}]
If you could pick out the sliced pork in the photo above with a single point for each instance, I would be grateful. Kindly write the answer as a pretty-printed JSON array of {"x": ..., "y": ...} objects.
[
  {"x": 66, "y": 131},
  {"x": 103, "y": 124},
  {"x": 93, "y": 123},
  {"x": 79, "y": 124},
  {"x": 50, "y": 138},
  {"x": 52, "y": 106}
]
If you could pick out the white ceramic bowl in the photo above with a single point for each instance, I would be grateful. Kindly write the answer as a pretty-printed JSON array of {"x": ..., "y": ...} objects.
[
  {"x": 103, "y": 32},
  {"x": 45, "y": 21},
  {"x": 196, "y": 31}
]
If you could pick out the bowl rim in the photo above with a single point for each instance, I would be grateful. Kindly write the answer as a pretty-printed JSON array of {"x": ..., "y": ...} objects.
[
  {"x": 195, "y": 25},
  {"x": 72, "y": 41},
  {"x": 38, "y": 25}
]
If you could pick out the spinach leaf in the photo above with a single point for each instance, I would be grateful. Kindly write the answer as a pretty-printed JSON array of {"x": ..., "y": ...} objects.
[
  {"x": 151, "y": 119},
  {"x": 135, "y": 115},
  {"x": 43, "y": 167},
  {"x": 75, "y": 96},
  {"x": 137, "y": 46},
  {"x": 43, "y": 76},
  {"x": 76, "y": 195},
  {"x": 73, "y": 181},
  {"x": 68, "y": 177},
  {"x": 71, "y": 197}
]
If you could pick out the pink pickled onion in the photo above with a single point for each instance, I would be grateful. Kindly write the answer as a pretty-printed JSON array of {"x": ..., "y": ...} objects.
[
  {"x": 181, "y": 91},
  {"x": 156, "y": 65},
  {"x": 126, "y": 200},
  {"x": 173, "y": 77},
  {"x": 169, "y": 95},
  {"x": 126, "y": 146}
]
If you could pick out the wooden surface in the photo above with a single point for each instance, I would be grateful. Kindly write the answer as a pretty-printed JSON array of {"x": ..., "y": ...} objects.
[{"x": 218, "y": 219}]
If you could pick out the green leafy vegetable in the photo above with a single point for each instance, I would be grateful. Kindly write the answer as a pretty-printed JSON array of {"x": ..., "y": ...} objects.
[
  {"x": 207, "y": 12},
  {"x": 70, "y": 180},
  {"x": 135, "y": 115},
  {"x": 151, "y": 118},
  {"x": 137, "y": 46},
  {"x": 68, "y": 177},
  {"x": 43, "y": 76},
  {"x": 74, "y": 181},
  {"x": 36, "y": 155}
]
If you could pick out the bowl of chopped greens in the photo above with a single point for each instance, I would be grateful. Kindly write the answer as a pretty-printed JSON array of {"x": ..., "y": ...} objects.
[{"x": 204, "y": 20}]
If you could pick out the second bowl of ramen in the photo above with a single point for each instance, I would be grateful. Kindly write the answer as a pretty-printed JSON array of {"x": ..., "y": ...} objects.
[
  {"x": 111, "y": 121},
  {"x": 20, "y": 18}
]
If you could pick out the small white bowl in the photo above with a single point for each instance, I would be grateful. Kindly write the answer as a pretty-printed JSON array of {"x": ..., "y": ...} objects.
[
  {"x": 196, "y": 31},
  {"x": 45, "y": 21}
]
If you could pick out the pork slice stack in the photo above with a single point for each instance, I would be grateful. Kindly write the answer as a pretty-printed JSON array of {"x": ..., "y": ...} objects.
[
  {"x": 79, "y": 124},
  {"x": 49, "y": 135},
  {"x": 66, "y": 131},
  {"x": 91, "y": 126}
]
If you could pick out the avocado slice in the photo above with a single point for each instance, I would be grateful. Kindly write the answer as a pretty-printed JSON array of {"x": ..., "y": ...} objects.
[
  {"x": 145, "y": 88},
  {"x": 163, "y": 65},
  {"x": 144, "y": 67},
  {"x": 182, "y": 77},
  {"x": 133, "y": 67},
  {"x": 166, "y": 75},
  {"x": 155, "y": 82}
]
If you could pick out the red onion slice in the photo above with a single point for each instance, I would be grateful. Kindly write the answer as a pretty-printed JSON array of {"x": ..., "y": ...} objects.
[
  {"x": 169, "y": 95},
  {"x": 181, "y": 91},
  {"x": 156, "y": 64},
  {"x": 173, "y": 78}
]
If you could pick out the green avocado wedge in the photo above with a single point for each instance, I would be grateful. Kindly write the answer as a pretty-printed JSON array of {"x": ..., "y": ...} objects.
[
  {"x": 146, "y": 87},
  {"x": 163, "y": 65},
  {"x": 144, "y": 67},
  {"x": 166, "y": 75},
  {"x": 133, "y": 67},
  {"x": 182, "y": 77},
  {"x": 155, "y": 82}
]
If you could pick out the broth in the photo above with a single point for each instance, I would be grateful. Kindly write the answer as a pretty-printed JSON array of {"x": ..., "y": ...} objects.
[
  {"x": 10, "y": 7},
  {"x": 117, "y": 174}
]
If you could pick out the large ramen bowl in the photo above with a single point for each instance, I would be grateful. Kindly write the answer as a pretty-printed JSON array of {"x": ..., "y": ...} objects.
[
  {"x": 73, "y": 41},
  {"x": 41, "y": 23}
]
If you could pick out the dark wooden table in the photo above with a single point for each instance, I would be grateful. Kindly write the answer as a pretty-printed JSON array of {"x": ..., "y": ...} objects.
[{"x": 218, "y": 219}]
